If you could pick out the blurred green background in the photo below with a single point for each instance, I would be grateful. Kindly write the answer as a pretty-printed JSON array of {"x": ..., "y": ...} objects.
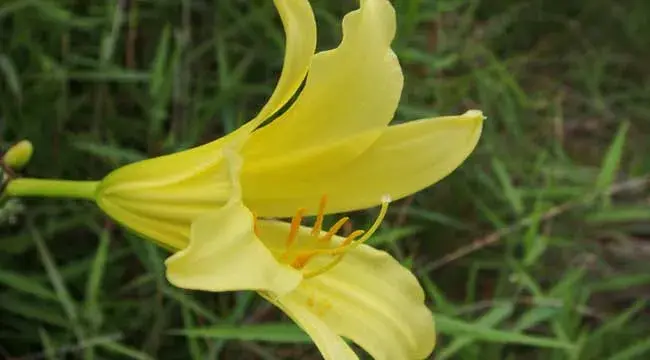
[{"x": 538, "y": 247}]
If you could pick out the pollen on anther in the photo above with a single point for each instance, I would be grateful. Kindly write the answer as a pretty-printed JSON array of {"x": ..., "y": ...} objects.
[
  {"x": 319, "y": 217},
  {"x": 334, "y": 229},
  {"x": 295, "y": 226},
  {"x": 353, "y": 236}
]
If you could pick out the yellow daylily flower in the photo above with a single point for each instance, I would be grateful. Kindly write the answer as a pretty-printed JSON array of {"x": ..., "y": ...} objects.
[{"x": 331, "y": 151}]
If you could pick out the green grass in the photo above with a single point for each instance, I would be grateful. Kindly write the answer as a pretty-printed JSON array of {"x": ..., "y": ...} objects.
[{"x": 536, "y": 248}]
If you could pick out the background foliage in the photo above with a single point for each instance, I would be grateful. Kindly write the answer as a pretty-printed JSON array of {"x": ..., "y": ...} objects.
[{"x": 537, "y": 248}]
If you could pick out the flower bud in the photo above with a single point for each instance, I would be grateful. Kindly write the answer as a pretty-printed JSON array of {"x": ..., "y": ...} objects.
[{"x": 18, "y": 155}]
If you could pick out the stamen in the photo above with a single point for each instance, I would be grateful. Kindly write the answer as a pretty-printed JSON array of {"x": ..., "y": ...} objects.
[
  {"x": 319, "y": 218},
  {"x": 295, "y": 226},
  {"x": 353, "y": 235},
  {"x": 334, "y": 229},
  {"x": 337, "y": 253},
  {"x": 350, "y": 242}
]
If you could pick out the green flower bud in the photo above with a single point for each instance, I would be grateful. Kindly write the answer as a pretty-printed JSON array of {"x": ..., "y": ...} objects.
[{"x": 18, "y": 155}]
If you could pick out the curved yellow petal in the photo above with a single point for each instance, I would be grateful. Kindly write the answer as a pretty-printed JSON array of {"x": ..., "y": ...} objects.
[
  {"x": 351, "y": 89},
  {"x": 369, "y": 298},
  {"x": 405, "y": 159},
  {"x": 330, "y": 345},
  {"x": 224, "y": 254},
  {"x": 172, "y": 235},
  {"x": 300, "y": 31}
]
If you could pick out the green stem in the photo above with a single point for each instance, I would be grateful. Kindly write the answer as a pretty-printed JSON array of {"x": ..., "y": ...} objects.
[{"x": 51, "y": 188}]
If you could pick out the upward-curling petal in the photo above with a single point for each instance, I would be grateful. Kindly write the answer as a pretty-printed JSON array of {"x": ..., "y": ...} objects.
[
  {"x": 300, "y": 31},
  {"x": 352, "y": 89},
  {"x": 178, "y": 188}
]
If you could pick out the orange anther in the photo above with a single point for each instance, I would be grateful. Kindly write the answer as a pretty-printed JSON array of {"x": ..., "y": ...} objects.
[
  {"x": 295, "y": 226},
  {"x": 315, "y": 231},
  {"x": 334, "y": 229},
  {"x": 353, "y": 236}
]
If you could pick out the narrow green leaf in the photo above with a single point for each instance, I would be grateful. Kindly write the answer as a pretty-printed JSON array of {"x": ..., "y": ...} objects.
[
  {"x": 26, "y": 284},
  {"x": 125, "y": 351},
  {"x": 621, "y": 282},
  {"x": 612, "y": 159},
  {"x": 275, "y": 333},
  {"x": 194, "y": 348},
  {"x": 189, "y": 303},
  {"x": 33, "y": 310},
  {"x": 116, "y": 155},
  {"x": 511, "y": 193},
  {"x": 620, "y": 214},
  {"x": 454, "y": 327},
  {"x": 634, "y": 352},
  {"x": 11, "y": 76},
  {"x": 534, "y": 317},
  {"x": 94, "y": 282},
  {"x": 493, "y": 318},
  {"x": 159, "y": 65},
  {"x": 65, "y": 299},
  {"x": 49, "y": 350}
]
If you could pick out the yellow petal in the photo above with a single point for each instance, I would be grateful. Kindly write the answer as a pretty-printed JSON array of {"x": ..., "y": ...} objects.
[
  {"x": 405, "y": 159},
  {"x": 172, "y": 235},
  {"x": 330, "y": 345},
  {"x": 224, "y": 254},
  {"x": 180, "y": 187},
  {"x": 351, "y": 89},
  {"x": 368, "y": 298},
  {"x": 300, "y": 31}
]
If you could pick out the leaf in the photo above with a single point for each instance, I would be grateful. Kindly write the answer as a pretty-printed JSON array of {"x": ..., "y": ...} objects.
[
  {"x": 493, "y": 318},
  {"x": 58, "y": 283},
  {"x": 634, "y": 352},
  {"x": 454, "y": 327},
  {"x": 620, "y": 282},
  {"x": 511, "y": 193},
  {"x": 620, "y": 214},
  {"x": 275, "y": 333},
  {"x": 114, "y": 154},
  {"x": 26, "y": 285},
  {"x": 33, "y": 310},
  {"x": 612, "y": 160},
  {"x": 93, "y": 285},
  {"x": 534, "y": 317},
  {"x": 11, "y": 76}
]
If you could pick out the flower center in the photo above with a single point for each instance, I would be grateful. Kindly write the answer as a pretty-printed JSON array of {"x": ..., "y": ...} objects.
[{"x": 322, "y": 243}]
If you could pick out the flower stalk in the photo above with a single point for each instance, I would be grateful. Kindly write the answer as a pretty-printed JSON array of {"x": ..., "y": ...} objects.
[{"x": 26, "y": 187}]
